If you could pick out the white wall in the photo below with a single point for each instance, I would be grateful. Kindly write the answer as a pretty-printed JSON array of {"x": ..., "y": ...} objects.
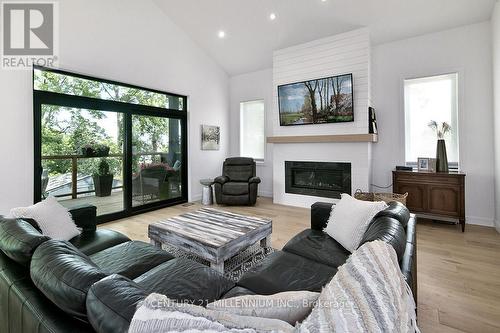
[
  {"x": 340, "y": 54},
  {"x": 248, "y": 87},
  {"x": 128, "y": 41},
  {"x": 466, "y": 50},
  {"x": 495, "y": 25}
]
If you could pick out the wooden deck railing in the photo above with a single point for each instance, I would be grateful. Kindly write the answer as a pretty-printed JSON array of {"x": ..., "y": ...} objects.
[{"x": 74, "y": 167}]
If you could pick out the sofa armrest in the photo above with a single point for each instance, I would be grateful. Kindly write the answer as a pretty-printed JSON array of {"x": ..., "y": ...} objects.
[
  {"x": 320, "y": 213},
  {"x": 221, "y": 180},
  {"x": 409, "y": 262},
  {"x": 84, "y": 217},
  {"x": 254, "y": 180},
  {"x": 111, "y": 303}
]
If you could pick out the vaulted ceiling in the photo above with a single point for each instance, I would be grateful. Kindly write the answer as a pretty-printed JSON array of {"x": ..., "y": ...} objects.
[{"x": 251, "y": 36}]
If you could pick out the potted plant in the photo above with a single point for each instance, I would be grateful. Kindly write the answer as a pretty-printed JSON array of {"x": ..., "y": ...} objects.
[
  {"x": 94, "y": 150},
  {"x": 102, "y": 150},
  {"x": 87, "y": 150},
  {"x": 103, "y": 179},
  {"x": 441, "y": 156}
]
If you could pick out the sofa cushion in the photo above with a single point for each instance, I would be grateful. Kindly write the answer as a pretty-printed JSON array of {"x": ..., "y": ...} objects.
[
  {"x": 130, "y": 259},
  {"x": 111, "y": 303},
  {"x": 283, "y": 271},
  {"x": 235, "y": 188},
  {"x": 95, "y": 241},
  {"x": 185, "y": 280},
  {"x": 64, "y": 275},
  {"x": 23, "y": 307},
  {"x": 235, "y": 200},
  {"x": 19, "y": 239},
  {"x": 318, "y": 246}
]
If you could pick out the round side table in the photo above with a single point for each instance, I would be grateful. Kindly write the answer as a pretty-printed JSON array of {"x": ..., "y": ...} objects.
[{"x": 207, "y": 196}]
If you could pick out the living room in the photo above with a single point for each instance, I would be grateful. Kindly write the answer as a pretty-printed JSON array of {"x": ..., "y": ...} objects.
[{"x": 233, "y": 136}]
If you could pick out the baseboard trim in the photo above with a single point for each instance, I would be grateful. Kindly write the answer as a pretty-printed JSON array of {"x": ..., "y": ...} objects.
[
  {"x": 267, "y": 194},
  {"x": 196, "y": 197},
  {"x": 480, "y": 221}
]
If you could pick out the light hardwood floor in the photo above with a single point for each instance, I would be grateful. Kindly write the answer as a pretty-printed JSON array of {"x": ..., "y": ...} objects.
[{"x": 458, "y": 273}]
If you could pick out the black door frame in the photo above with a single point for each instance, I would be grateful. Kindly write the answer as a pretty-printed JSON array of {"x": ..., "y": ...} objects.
[{"x": 128, "y": 110}]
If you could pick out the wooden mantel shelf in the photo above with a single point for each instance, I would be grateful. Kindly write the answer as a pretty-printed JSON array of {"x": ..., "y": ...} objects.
[{"x": 323, "y": 138}]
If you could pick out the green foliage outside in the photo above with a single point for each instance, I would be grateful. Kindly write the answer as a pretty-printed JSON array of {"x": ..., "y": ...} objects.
[
  {"x": 65, "y": 130},
  {"x": 103, "y": 168}
]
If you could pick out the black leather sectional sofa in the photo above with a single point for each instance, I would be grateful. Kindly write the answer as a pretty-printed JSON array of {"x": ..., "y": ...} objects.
[{"x": 94, "y": 281}]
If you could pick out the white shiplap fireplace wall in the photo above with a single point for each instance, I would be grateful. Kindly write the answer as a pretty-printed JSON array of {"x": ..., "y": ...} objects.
[{"x": 340, "y": 54}]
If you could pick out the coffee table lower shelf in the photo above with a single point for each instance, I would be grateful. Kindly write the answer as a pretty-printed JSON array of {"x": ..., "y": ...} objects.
[{"x": 219, "y": 266}]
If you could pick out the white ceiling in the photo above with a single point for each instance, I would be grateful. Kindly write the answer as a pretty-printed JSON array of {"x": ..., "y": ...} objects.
[{"x": 252, "y": 36}]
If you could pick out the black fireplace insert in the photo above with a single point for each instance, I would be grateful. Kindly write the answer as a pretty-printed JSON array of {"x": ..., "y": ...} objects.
[{"x": 320, "y": 179}]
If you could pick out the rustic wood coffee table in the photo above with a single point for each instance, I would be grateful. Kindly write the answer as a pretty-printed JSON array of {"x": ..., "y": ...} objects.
[{"x": 212, "y": 234}]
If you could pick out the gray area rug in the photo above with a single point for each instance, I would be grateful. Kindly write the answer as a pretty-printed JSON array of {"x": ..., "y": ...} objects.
[{"x": 233, "y": 267}]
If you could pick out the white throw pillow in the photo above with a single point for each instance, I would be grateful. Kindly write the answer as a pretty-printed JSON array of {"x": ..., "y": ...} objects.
[
  {"x": 350, "y": 219},
  {"x": 53, "y": 219},
  {"x": 290, "y": 306}
]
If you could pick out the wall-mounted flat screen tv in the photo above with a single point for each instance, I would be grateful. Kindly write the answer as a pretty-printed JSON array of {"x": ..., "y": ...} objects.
[{"x": 320, "y": 101}]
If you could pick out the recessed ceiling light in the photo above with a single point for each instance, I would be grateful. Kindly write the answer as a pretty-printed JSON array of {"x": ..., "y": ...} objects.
[
  {"x": 272, "y": 16},
  {"x": 221, "y": 34},
  {"x": 323, "y": 0}
]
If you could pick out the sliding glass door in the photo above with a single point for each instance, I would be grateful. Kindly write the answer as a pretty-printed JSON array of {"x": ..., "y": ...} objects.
[
  {"x": 118, "y": 147},
  {"x": 156, "y": 159},
  {"x": 75, "y": 171}
]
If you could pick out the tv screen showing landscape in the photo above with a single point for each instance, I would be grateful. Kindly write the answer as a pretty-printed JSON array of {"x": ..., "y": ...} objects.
[{"x": 327, "y": 100}]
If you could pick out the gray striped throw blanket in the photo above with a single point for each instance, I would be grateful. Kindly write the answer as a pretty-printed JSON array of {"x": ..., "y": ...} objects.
[{"x": 368, "y": 294}]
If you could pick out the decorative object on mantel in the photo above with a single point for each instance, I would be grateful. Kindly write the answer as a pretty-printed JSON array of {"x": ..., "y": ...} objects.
[
  {"x": 441, "y": 156},
  {"x": 320, "y": 101},
  {"x": 376, "y": 196},
  {"x": 372, "y": 121},
  {"x": 210, "y": 137},
  {"x": 323, "y": 138}
]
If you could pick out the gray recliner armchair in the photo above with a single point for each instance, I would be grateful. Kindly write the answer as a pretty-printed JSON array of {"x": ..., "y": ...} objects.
[{"x": 238, "y": 183}]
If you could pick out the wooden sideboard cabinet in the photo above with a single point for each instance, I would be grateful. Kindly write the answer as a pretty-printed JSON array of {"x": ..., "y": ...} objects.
[{"x": 439, "y": 196}]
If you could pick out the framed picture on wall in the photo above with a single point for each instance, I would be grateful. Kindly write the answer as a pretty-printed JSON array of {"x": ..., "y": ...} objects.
[{"x": 210, "y": 137}]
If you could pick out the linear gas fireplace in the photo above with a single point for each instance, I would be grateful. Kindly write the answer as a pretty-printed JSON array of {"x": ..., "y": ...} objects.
[{"x": 320, "y": 179}]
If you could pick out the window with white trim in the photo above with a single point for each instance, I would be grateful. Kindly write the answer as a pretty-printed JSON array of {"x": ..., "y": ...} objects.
[
  {"x": 252, "y": 129},
  {"x": 433, "y": 98}
]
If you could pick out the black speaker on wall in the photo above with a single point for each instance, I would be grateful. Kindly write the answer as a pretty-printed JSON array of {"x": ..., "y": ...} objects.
[{"x": 372, "y": 121}]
